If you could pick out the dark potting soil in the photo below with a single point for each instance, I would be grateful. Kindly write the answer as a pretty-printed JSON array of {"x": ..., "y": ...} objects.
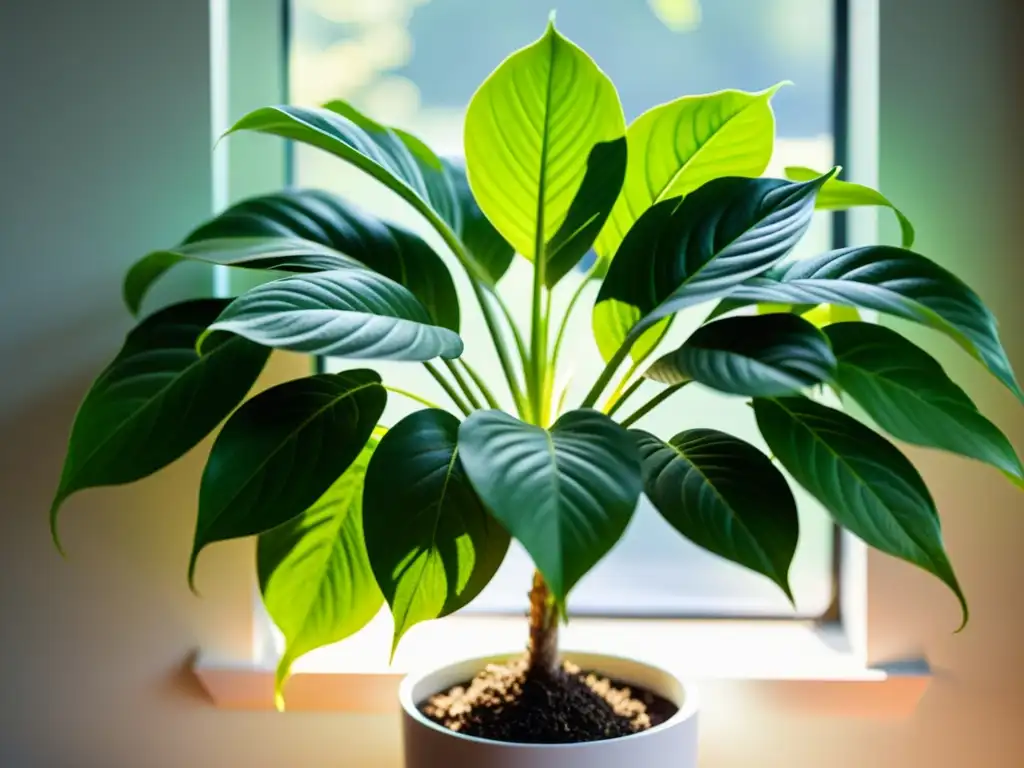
[{"x": 503, "y": 703}]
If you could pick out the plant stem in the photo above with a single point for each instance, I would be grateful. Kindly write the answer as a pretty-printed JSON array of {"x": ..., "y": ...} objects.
[
  {"x": 447, "y": 387},
  {"x": 412, "y": 396},
  {"x": 653, "y": 403},
  {"x": 565, "y": 317},
  {"x": 480, "y": 384},
  {"x": 543, "y": 649},
  {"x": 617, "y": 402},
  {"x": 524, "y": 355},
  {"x": 606, "y": 375},
  {"x": 463, "y": 385},
  {"x": 617, "y": 392}
]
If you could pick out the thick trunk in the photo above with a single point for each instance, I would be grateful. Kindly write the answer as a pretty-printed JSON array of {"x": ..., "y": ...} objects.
[{"x": 543, "y": 651}]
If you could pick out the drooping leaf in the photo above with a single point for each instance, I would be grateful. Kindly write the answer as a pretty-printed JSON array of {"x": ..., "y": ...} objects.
[
  {"x": 906, "y": 392},
  {"x": 432, "y": 545},
  {"x": 281, "y": 451},
  {"x": 760, "y": 356},
  {"x": 566, "y": 493},
  {"x": 314, "y": 572},
  {"x": 839, "y": 195},
  {"x": 896, "y": 282},
  {"x": 156, "y": 400},
  {"x": 530, "y": 128},
  {"x": 352, "y": 313},
  {"x": 862, "y": 479},
  {"x": 723, "y": 495},
  {"x": 677, "y": 147}
]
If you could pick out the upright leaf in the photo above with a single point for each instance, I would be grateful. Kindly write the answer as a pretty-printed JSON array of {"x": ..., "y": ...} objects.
[
  {"x": 281, "y": 451},
  {"x": 432, "y": 545},
  {"x": 315, "y": 575},
  {"x": 863, "y": 480},
  {"x": 156, "y": 400},
  {"x": 725, "y": 496},
  {"x": 906, "y": 392},
  {"x": 566, "y": 493}
]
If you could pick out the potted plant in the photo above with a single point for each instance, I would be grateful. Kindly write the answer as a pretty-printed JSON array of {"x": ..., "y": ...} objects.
[{"x": 351, "y": 514}]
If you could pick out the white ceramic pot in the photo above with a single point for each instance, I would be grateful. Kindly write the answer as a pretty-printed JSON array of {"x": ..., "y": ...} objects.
[{"x": 673, "y": 744}]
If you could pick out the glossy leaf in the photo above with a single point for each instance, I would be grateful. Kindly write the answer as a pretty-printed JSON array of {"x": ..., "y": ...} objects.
[
  {"x": 431, "y": 542},
  {"x": 281, "y": 451},
  {"x": 839, "y": 195},
  {"x": 489, "y": 249},
  {"x": 530, "y": 128},
  {"x": 677, "y": 147},
  {"x": 315, "y": 575},
  {"x": 156, "y": 400},
  {"x": 863, "y": 480},
  {"x": 566, "y": 493},
  {"x": 352, "y": 313},
  {"x": 896, "y": 282},
  {"x": 906, "y": 392},
  {"x": 725, "y": 496},
  {"x": 761, "y": 356}
]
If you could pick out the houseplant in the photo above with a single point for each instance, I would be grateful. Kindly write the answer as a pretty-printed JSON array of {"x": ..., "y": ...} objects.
[{"x": 420, "y": 515}]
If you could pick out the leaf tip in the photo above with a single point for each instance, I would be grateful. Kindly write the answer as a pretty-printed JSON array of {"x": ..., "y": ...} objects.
[
  {"x": 551, "y": 19},
  {"x": 772, "y": 90},
  {"x": 281, "y": 676},
  {"x": 54, "y": 532},
  {"x": 192, "y": 560}
]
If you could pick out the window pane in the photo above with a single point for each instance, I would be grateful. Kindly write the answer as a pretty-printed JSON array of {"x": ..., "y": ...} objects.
[{"x": 415, "y": 64}]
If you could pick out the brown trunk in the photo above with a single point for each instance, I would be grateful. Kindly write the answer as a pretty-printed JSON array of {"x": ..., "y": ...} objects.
[{"x": 543, "y": 651}]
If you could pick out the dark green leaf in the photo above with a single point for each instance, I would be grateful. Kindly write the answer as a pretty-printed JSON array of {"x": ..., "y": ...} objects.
[
  {"x": 431, "y": 543},
  {"x": 763, "y": 356},
  {"x": 281, "y": 451},
  {"x": 863, "y": 480},
  {"x": 566, "y": 493},
  {"x": 723, "y": 495},
  {"x": 156, "y": 400},
  {"x": 489, "y": 249},
  {"x": 908, "y": 395}
]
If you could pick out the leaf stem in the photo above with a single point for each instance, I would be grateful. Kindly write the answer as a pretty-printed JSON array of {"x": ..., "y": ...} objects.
[
  {"x": 481, "y": 385},
  {"x": 609, "y": 371},
  {"x": 412, "y": 396},
  {"x": 449, "y": 389},
  {"x": 617, "y": 392},
  {"x": 463, "y": 385},
  {"x": 614, "y": 403},
  {"x": 568, "y": 311},
  {"x": 653, "y": 403}
]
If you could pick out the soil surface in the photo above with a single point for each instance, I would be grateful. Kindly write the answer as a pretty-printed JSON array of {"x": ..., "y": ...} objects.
[{"x": 503, "y": 703}]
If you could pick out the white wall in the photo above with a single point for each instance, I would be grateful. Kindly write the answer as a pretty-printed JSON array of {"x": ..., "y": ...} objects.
[{"x": 104, "y": 153}]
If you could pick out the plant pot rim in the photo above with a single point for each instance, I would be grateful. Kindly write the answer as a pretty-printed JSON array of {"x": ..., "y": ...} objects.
[{"x": 688, "y": 705}]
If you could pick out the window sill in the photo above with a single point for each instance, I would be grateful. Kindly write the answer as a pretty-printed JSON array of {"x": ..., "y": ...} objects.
[{"x": 795, "y": 665}]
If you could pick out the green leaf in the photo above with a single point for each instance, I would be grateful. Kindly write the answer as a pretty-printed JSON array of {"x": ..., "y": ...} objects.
[
  {"x": 839, "y": 195},
  {"x": 566, "y": 493},
  {"x": 676, "y": 148},
  {"x": 725, "y": 496},
  {"x": 281, "y": 451},
  {"x": 489, "y": 249},
  {"x": 868, "y": 486},
  {"x": 315, "y": 575},
  {"x": 896, "y": 282},
  {"x": 906, "y": 392},
  {"x": 432, "y": 545},
  {"x": 529, "y": 130},
  {"x": 680, "y": 254},
  {"x": 156, "y": 400},
  {"x": 761, "y": 356},
  {"x": 352, "y": 313}
]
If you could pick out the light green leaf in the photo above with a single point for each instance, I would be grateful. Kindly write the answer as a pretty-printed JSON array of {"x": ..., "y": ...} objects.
[
  {"x": 760, "y": 356},
  {"x": 566, "y": 493},
  {"x": 863, "y": 480},
  {"x": 432, "y": 545},
  {"x": 156, "y": 400},
  {"x": 725, "y": 496},
  {"x": 906, "y": 392},
  {"x": 677, "y": 147},
  {"x": 489, "y": 249},
  {"x": 315, "y": 575},
  {"x": 839, "y": 195},
  {"x": 281, "y": 451},
  {"x": 351, "y": 313}
]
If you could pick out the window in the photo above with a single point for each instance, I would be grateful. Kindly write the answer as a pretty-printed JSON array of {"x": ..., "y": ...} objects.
[{"x": 415, "y": 64}]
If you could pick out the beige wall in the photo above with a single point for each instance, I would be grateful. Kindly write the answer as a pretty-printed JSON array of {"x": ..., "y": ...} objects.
[{"x": 104, "y": 139}]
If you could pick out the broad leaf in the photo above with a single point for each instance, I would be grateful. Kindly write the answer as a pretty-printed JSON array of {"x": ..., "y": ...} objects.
[
  {"x": 680, "y": 254},
  {"x": 530, "y": 128},
  {"x": 723, "y": 495},
  {"x": 896, "y": 282},
  {"x": 281, "y": 451},
  {"x": 315, "y": 575},
  {"x": 490, "y": 250},
  {"x": 566, "y": 493},
  {"x": 868, "y": 486},
  {"x": 677, "y": 147},
  {"x": 762, "y": 356},
  {"x": 156, "y": 400},
  {"x": 352, "y": 313},
  {"x": 906, "y": 392},
  {"x": 839, "y": 195},
  {"x": 431, "y": 543}
]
